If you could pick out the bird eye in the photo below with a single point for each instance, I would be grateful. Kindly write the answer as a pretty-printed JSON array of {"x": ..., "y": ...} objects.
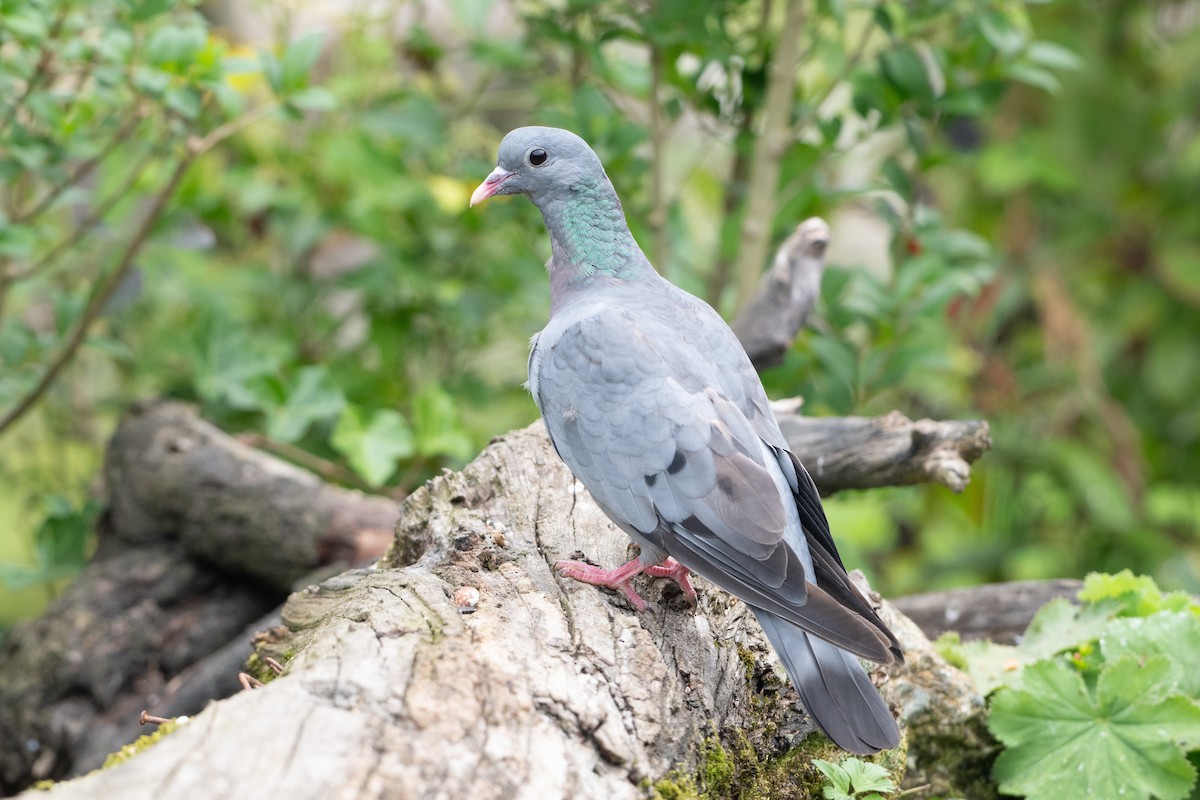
[{"x": 537, "y": 156}]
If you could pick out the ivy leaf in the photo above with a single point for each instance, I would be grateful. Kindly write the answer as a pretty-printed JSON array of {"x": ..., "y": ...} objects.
[
  {"x": 314, "y": 398},
  {"x": 373, "y": 448},
  {"x": 438, "y": 428},
  {"x": 228, "y": 364},
  {"x": 1124, "y": 739}
]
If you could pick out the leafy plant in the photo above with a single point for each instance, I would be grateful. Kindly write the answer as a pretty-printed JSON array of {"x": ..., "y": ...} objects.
[
  {"x": 104, "y": 108},
  {"x": 62, "y": 544},
  {"x": 855, "y": 779},
  {"x": 1098, "y": 700}
]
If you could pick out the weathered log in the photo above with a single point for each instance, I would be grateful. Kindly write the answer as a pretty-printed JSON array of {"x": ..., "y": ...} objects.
[
  {"x": 171, "y": 476},
  {"x": 73, "y": 681},
  {"x": 548, "y": 689},
  {"x": 997, "y": 611},
  {"x": 890, "y": 450},
  {"x": 201, "y": 537},
  {"x": 786, "y": 293}
]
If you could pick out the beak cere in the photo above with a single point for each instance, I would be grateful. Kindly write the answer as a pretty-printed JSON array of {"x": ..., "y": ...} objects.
[{"x": 491, "y": 184}]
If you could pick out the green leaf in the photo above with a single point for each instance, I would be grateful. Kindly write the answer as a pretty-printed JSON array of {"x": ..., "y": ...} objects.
[
  {"x": 373, "y": 449},
  {"x": 1061, "y": 625},
  {"x": 62, "y": 540},
  {"x": 990, "y": 665},
  {"x": 1061, "y": 741},
  {"x": 1053, "y": 56},
  {"x": 866, "y": 776},
  {"x": 1138, "y": 595},
  {"x": 438, "y": 429},
  {"x": 1172, "y": 634},
  {"x": 1001, "y": 33},
  {"x": 141, "y": 10},
  {"x": 183, "y": 100},
  {"x": 852, "y": 776},
  {"x": 897, "y": 176},
  {"x": 175, "y": 47},
  {"x": 1035, "y": 76},
  {"x": 151, "y": 81},
  {"x": 297, "y": 62},
  {"x": 272, "y": 70},
  {"x": 25, "y": 25},
  {"x": 228, "y": 367},
  {"x": 838, "y": 787},
  {"x": 112, "y": 347},
  {"x": 314, "y": 98},
  {"x": 229, "y": 99},
  {"x": 903, "y": 67},
  {"x": 313, "y": 398},
  {"x": 17, "y": 241}
]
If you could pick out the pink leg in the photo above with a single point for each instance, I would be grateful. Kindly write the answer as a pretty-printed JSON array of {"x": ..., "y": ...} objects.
[
  {"x": 673, "y": 570},
  {"x": 620, "y": 578}
]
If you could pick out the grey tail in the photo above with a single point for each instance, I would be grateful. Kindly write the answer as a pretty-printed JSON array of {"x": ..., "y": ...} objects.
[{"x": 835, "y": 689}]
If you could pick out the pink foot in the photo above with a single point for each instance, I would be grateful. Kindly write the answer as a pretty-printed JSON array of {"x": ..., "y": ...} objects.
[
  {"x": 673, "y": 570},
  {"x": 620, "y": 578}
]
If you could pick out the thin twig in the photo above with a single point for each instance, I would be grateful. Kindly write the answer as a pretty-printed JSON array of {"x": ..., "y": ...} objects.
[
  {"x": 88, "y": 224},
  {"x": 201, "y": 145},
  {"x": 100, "y": 296},
  {"x": 329, "y": 470},
  {"x": 83, "y": 169},
  {"x": 39, "y": 72}
]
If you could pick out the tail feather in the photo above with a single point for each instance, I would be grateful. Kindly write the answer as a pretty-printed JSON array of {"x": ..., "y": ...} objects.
[{"x": 835, "y": 689}]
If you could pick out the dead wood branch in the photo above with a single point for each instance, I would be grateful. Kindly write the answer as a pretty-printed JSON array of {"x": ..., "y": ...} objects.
[{"x": 786, "y": 294}]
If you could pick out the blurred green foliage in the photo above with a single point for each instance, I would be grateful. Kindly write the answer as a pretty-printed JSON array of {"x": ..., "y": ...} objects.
[
  {"x": 318, "y": 282},
  {"x": 1107, "y": 685}
]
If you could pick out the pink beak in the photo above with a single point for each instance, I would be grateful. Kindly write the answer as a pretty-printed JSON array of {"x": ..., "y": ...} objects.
[{"x": 491, "y": 184}]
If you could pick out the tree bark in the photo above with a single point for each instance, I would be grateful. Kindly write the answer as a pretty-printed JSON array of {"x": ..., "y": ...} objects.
[
  {"x": 201, "y": 537},
  {"x": 549, "y": 688},
  {"x": 889, "y": 450}
]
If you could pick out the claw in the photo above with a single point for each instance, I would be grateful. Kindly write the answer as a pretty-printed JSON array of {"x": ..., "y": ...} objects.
[
  {"x": 620, "y": 578},
  {"x": 673, "y": 570}
]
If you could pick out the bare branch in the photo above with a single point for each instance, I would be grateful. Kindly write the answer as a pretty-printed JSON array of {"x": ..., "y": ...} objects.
[
  {"x": 891, "y": 450},
  {"x": 83, "y": 169},
  {"x": 101, "y": 294},
  {"x": 786, "y": 294}
]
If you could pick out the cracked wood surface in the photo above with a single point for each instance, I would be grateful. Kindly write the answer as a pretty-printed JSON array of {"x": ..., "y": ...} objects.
[
  {"x": 549, "y": 689},
  {"x": 888, "y": 450}
]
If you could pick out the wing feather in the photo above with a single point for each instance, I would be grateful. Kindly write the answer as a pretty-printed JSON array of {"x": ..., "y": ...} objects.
[{"x": 675, "y": 440}]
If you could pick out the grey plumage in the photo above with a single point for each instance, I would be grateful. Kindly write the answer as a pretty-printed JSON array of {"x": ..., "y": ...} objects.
[{"x": 653, "y": 404}]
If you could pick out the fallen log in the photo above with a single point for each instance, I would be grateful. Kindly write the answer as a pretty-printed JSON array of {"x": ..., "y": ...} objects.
[
  {"x": 997, "y": 611},
  {"x": 548, "y": 688}
]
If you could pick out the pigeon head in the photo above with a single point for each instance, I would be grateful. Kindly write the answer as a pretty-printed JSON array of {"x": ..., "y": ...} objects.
[{"x": 540, "y": 163}]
